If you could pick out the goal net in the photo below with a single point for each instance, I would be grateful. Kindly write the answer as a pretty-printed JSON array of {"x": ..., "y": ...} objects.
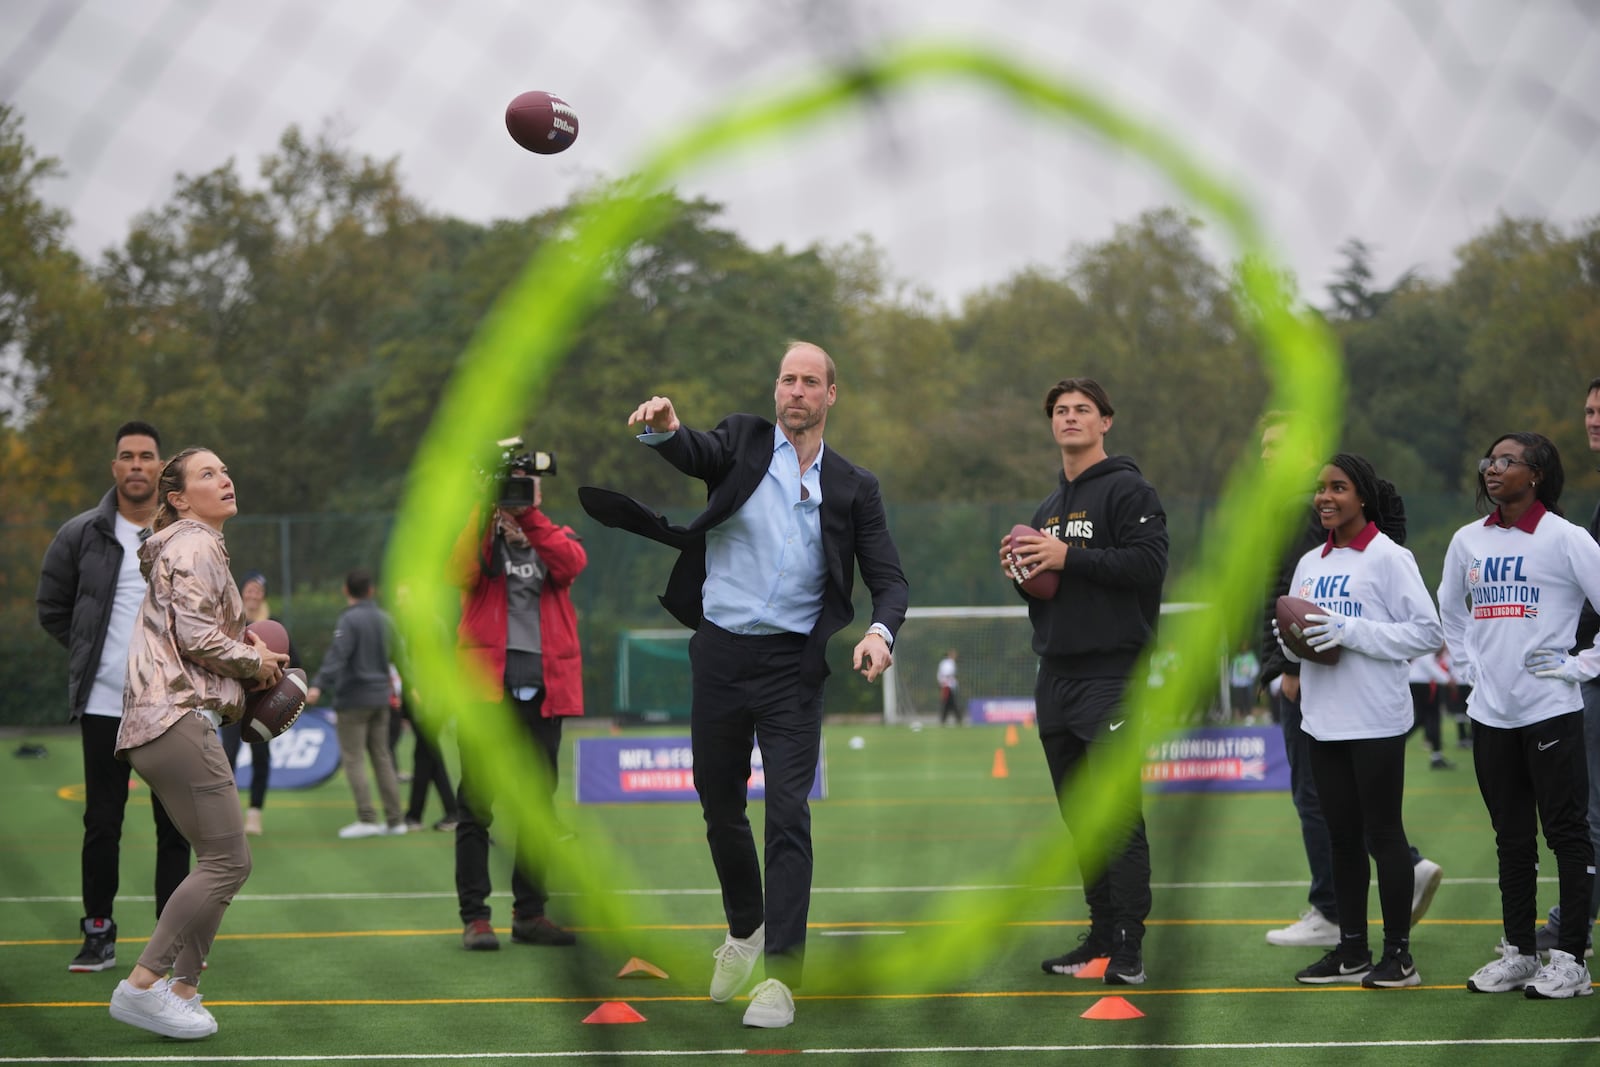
[{"x": 653, "y": 680}]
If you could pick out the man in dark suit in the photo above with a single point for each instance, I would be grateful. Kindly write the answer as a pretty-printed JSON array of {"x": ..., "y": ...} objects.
[{"x": 764, "y": 578}]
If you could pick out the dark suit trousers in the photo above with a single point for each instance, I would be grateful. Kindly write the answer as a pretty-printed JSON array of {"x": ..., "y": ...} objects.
[{"x": 748, "y": 689}]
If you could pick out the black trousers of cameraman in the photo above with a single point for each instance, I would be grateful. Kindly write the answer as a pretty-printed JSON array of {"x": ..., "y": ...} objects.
[{"x": 476, "y": 815}]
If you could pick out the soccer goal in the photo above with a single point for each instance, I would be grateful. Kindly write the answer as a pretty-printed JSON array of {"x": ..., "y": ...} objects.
[{"x": 653, "y": 680}]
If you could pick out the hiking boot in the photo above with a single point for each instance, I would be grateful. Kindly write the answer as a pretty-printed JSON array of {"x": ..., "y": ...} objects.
[
  {"x": 1512, "y": 971},
  {"x": 99, "y": 950},
  {"x": 1343, "y": 964},
  {"x": 1092, "y": 945},
  {"x": 771, "y": 1005},
  {"x": 539, "y": 930},
  {"x": 161, "y": 1011},
  {"x": 1311, "y": 930},
  {"x": 1425, "y": 878},
  {"x": 479, "y": 936},
  {"x": 1394, "y": 971},
  {"x": 1563, "y": 977},
  {"x": 736, "y": 961},
  {"x": 1127, "y": 961}
]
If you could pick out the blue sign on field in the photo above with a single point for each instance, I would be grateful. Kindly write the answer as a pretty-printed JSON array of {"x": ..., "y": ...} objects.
[
  {"x": 611, "y": 769},
  {"x": 304, "y": 755}
]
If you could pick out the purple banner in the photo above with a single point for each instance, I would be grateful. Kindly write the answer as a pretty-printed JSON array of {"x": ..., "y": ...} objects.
[
  {"x": 621, "y": 769},
  {"x": 1224, "y": 759},
  {"x": 304, "y": 755},
  {"x": 1000, "y": 709}
]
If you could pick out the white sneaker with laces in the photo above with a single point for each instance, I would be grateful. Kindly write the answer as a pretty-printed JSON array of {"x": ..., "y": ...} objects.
[
  {"x": 736, "y": 961},
  {"x": 1425, "y": 878},
  {"x": 1510, "y": 972},
  {"x": 161, "y": 1011},
  {"x": 1563, "y": 977},
  {"x": 1311, "y": 930},
  {"x": 771, "y": 1006},
  {"x": 361, "y": 829}
]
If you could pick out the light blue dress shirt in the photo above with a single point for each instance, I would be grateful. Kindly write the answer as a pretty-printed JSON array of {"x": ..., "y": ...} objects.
[{"x": 765, "y": 567}]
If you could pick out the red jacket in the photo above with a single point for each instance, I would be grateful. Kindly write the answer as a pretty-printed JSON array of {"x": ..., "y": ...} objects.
[{"x": 481, "y": 637}]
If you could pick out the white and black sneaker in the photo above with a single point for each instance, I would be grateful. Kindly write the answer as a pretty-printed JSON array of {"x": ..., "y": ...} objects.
[
  {"x": 1093, "y": 945},
  {"x": 1512, "y": 971},
  {"x": 1563, "y": 977},
  {"x": 99, "y": 952},
  {"x": 1343, "y": 964},
  {"x": 1127, "y": 961}
]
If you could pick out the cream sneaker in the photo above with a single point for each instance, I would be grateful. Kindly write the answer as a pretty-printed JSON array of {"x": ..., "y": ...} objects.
[
  {"x": 736, "y": 960},
  {"x": 771, "y": 1006}
]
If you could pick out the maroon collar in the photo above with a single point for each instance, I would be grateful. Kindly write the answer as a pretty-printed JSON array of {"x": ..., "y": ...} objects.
[
  {"x": 1528, "y": 522},
  {"x": 1359, "y": 542}
]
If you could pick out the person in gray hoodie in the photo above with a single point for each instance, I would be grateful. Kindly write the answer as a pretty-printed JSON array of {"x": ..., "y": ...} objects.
[{"x": 356, "y": 672}]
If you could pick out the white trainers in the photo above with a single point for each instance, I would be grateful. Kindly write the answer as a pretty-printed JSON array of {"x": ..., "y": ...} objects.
[
  {"x": 736, "y": 960},
  {"x": 1425, "y": 878},
  {"x": 1311, "y": 930},
  {"x": 361, "y": 829},
  {"x": 397, "y": 830},
  {"x": 771, "y": 1005},
  {"x": 1564, "y": 976},
  {"x": 1510, "y": 972},
  {"x": 161, "y": 1011}
]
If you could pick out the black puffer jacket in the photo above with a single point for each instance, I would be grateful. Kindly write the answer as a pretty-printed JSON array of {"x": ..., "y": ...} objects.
[{"x": 77, "y": 585}]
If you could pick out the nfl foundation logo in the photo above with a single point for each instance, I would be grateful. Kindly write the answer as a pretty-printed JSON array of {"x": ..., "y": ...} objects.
[
  {"x": 1474, "y": 571},
  {"x": 1305, "y": 590}
]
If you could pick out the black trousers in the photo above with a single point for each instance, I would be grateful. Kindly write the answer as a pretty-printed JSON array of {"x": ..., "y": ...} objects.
[
  {"x": 260, "y": 761},
  {"x": 1078, "y": 741},
  {"x": 1530, "y": 771},
  {"x": 748, "y": 690},
  {"x": 1361, "y": 785},
  {"x": 105, "y": 788},
  {"x": 429, "y": 768},
  {"x": 1425, "y": 701},
  {"x": 475, "y": 815}
]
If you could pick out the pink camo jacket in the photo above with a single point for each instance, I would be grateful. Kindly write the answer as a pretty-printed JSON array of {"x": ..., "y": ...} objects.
[{"x": 186, "y": 651}]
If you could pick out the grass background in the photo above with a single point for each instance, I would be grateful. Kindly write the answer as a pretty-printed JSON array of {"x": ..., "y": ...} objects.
[{"x": 350, "y": 951}]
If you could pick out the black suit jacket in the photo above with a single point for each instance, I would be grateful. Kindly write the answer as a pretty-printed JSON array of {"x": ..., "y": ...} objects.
[{"x": 732, "y": 459}]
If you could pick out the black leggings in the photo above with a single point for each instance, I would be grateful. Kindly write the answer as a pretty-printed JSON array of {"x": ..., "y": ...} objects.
[{"x": 1361, "y": 784}]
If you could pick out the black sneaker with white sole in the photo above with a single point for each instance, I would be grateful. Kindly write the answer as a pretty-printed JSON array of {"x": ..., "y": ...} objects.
[
  {"x": 99, "y": 952},
  {"x": 1394, "y": 971},
  {"x": 1093, "y": 945},
  {"x": 1343, "y": 964},
  {"x": 1127, "y": 961}
]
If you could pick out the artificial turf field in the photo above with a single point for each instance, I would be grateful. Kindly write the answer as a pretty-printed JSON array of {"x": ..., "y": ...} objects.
[{"x": 350, "y": 952}]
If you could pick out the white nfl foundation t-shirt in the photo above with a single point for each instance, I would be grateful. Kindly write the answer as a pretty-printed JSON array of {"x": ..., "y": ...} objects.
[{"x": 105, "y": 696}]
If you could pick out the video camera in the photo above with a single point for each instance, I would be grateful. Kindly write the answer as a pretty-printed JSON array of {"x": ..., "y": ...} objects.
[{"x": 515, "y": 471}]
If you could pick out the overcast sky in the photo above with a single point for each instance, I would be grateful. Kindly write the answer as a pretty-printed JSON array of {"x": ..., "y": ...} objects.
[{"x": 1410, "y": 125}]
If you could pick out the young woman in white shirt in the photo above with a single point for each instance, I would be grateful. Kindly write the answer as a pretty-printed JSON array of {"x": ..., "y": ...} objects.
[
  {"x": 1513, "y": 587},
  {"x": 1358, "y": 711}
]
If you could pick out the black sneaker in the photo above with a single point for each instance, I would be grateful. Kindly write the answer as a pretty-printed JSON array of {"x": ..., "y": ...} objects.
[
  {"x": 1092, "y": 945},
  {"x": 99, "y": 952},
  {"x": 1394, "y": 971},
  {"x": 539, "y": 930},
  {"x": 1127, "y": 961},
  {"x": 1341, "y": 965}
]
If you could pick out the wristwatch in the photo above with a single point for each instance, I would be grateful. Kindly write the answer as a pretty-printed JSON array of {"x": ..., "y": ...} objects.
[{"x": 882, "y": 631}]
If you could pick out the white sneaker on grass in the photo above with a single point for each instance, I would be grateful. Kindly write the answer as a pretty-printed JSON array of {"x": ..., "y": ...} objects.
[
  {"x": 1425, "y": 878},
  {"x": 161, "y": 1011},
  {"x": 736, "y": 961},
  {"x": 361, "y": 829},
  {"x": 771, "y": 1006},
  {"x": 1311, "y": 930},
  {"x": 1512, "y": 971},
  {"x": 1564, "y": 976}
]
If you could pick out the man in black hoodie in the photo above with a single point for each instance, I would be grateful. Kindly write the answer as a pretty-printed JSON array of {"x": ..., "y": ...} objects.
[{"x": 1104, "y": 530}]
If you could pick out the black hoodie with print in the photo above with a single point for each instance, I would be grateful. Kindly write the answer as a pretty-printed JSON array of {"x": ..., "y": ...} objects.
[{"x": 1104, "y": 612}]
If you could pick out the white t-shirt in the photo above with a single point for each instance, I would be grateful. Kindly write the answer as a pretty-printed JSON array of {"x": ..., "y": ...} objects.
[
  {"x": 1426, "y": 669},
  {"x": 947, "y": 672},
  {"x": 105, "y": 696},
  {"x": 1365, "y": 695},
  {"x": 1507, "y": 591}
]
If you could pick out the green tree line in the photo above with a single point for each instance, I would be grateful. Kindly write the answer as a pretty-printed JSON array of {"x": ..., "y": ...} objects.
[{"x": 304, "y": 319}]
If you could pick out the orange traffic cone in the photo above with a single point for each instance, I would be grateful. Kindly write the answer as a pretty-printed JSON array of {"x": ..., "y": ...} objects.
[
  {"x": 1095, "y": 968},
  {"x": 614, "y": 1011},
  {"x": 1011, "y": 735},
  {"x": 1112, "y": 1008},
  {"x": 999, "y": 770}
]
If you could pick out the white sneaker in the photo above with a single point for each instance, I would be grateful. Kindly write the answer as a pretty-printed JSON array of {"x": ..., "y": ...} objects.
[
  {"x": 1510, "y": 972},
  {"x": 772, "y": 1005},
  {"x": 161, "y": 1011},
  {"x": 1425, "y": 878},
  {"x": 736, "y": 960},
  {"x": 1564, "y": 976},
  {"x": 1311, "y": 930},
  {"x": 397, "y": 830},
  {"x": 361, "y": 829}
]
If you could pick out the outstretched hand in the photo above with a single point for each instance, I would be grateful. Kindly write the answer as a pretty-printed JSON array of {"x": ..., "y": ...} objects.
[{"x": 656, "y": 414}]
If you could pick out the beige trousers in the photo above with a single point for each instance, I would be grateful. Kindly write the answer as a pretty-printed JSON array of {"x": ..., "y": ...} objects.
[{"x": 363, "y": 733}]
